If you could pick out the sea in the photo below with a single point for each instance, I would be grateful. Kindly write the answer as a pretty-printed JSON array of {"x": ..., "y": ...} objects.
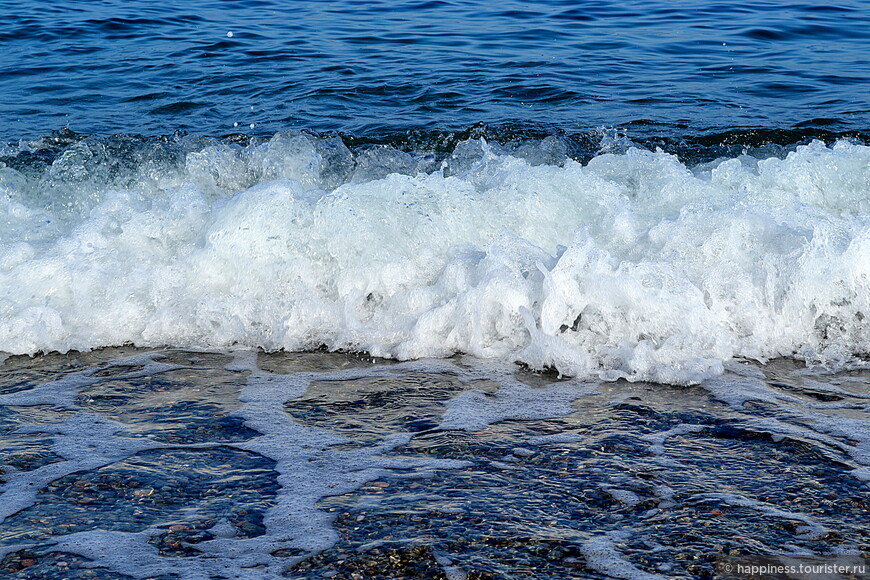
[{"x": 440, "y": 289}]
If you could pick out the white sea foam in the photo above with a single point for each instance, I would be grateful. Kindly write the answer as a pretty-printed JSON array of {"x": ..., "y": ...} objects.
[
  {"x": 633, "y": 265},
  {"x": 602, "y": 556}
]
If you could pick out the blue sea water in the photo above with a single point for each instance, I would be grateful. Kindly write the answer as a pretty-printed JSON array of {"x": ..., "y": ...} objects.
[
  {"x": 594, "y": 278},
  {"x": 387, "y": 66}
]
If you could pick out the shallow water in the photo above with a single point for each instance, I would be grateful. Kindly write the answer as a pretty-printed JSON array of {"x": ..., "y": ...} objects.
[{"x": 163, "y": 463}]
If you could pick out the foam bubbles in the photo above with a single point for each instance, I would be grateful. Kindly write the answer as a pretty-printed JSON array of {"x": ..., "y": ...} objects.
[
  {"x": 602, "y": 556},
  {"x": 633, "y": 266}
]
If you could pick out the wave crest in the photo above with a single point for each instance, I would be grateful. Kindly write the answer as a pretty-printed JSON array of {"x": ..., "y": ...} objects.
[{"x": 630, "y": 265}]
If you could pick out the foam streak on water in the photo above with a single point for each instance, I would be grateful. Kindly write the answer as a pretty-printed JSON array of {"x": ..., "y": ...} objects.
[
  {"x": 307, "y": 466},
  {"x": 632, "y": 265}
]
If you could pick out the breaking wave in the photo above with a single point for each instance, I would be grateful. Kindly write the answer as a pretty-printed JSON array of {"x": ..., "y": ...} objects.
[{"x": 629, "y": 263}]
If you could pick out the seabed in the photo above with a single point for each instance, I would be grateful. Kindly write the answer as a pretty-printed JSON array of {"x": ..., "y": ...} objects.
[{"x": 157, "y": 463}]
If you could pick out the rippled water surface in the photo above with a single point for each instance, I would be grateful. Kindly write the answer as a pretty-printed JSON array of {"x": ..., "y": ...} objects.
[{"x": 387, "y": 65}]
